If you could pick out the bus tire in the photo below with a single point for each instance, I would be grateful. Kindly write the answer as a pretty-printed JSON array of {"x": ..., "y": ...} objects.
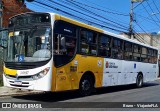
[
  {"x": 86, "y": 86},
  {"x": 139, "y": 80}
]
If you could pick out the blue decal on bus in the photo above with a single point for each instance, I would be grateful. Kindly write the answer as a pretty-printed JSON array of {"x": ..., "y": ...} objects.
[
  {"x": 134, "y": 65},
  {"x": 21, "y": 58}
]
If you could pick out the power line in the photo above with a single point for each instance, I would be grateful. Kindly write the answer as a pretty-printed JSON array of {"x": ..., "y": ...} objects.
[
  {"x": 95, "y": 8},
  {"x": 140, "y": 37},
  {"x": 156, "y": 6},
  {"x": 105, "y": 7},
  {"x": 152, "y": 10},
  {"x": 90, "y": 12},
  {"x": 147, "y": 18},
  {"x": 145, "y": 32},
  {"x": 86, "y": 14},
  {"x": 138, "y": 4},
  {"x": 52, "y": 7},
  {"x": 142, "y": 19},
  {"x": 151, "y": 16}
]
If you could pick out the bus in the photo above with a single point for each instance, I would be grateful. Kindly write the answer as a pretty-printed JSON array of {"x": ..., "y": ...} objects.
[{"x": 50, "y": 52}]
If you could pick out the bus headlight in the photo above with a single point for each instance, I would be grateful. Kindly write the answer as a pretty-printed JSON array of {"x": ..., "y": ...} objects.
[{"x": 41, "y": 74}]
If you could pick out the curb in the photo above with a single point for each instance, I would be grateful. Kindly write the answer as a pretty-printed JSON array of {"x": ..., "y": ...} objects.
[
  {"x": 18, "y": 94},
  {"x": 5, "y": 91}
]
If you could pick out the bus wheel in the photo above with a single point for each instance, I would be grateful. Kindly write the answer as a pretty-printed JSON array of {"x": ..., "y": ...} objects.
[
  {"x": 139, "y": 80},
  {"x": 86, "y": 86}
]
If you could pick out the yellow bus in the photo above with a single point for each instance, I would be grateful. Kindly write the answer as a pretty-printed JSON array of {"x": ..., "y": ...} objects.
[{"x": 50, "y": 52}]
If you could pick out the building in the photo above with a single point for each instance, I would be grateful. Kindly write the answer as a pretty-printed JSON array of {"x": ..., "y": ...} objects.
[
  {"x": 11, "y": 8},
  {"x": 152, "y": 39}
]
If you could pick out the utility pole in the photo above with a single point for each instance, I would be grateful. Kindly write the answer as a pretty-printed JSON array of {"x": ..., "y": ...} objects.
[
  {"x": 131, "y": 17},
  {"x": 131, "y": 20}
]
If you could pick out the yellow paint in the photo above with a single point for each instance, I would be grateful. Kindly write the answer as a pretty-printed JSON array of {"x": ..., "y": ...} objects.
[
  {"x": 10, "y": 71},
  {"x": 90, "y": 63},
  {"x": 58, "y": 17},
  {"x": 64, "y": 79},
  {"x": 53, "y": 86},
  {"x": 69, "y": 80},
  {"x": 11, "y": 34}
]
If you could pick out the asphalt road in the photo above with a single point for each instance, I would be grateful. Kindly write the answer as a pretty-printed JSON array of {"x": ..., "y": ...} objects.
[{"x": 112, "y": 97}]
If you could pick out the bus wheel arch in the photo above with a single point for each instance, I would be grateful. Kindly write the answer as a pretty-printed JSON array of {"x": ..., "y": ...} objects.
[
  {"x": 139, "y": 80},
  {"x": 86, "y": 84}
]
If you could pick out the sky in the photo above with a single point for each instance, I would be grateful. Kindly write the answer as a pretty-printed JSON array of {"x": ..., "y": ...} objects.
[{"x": 110, "y": 15}]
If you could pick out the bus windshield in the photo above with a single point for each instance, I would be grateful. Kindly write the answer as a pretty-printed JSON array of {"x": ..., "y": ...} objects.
[{"x": 29, "y": 45}]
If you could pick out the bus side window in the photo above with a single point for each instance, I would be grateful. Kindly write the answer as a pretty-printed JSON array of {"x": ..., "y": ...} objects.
[
  {"x": 70, "y": 46},
  {"x": 88, "y": 42},
  {"x": 150, "y": 55},
  {"x": 144, "y": 57},
  {"x": 128, "y": 51},
  {"x": 104, "y": 46},
  {"x": 155, "y": 54},
  {"x": 117, "y": 51},
  {"x": 64, "y": 45},
  {"x": 136, "y": 52}
]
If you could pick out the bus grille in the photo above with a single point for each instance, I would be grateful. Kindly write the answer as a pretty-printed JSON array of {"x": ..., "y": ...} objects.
[
  {"x": 20, "y": 67},
  {"x": 24, "y": 65},
  {"x": 21, "y": 78}
]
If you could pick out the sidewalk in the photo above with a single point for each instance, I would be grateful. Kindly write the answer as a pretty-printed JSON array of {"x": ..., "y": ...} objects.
[{"x": 5, "y": 91}]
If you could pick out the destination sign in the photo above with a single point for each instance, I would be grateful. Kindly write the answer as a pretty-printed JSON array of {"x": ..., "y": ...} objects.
[{"x": 30, "y": 18}]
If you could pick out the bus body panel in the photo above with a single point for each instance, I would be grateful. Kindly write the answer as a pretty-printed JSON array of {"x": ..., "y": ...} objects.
[
  {"x": 24, "y": 78},
  {"x": 92, "y": 64},
  {"x": 8, "y": 71},
  {"x": 68, "y": 76},
  {"x": 119, "y": 72}
]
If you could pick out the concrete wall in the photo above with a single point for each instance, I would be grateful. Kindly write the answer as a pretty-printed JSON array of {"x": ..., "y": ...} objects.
[{"x": 150, "y": 39}]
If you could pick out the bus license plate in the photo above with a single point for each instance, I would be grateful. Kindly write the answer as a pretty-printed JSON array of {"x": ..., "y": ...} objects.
[{"x": 18, "y": 82}]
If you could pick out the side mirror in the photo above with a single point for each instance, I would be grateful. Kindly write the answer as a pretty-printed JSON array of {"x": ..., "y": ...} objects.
[{"x": 3, "y": 38}]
